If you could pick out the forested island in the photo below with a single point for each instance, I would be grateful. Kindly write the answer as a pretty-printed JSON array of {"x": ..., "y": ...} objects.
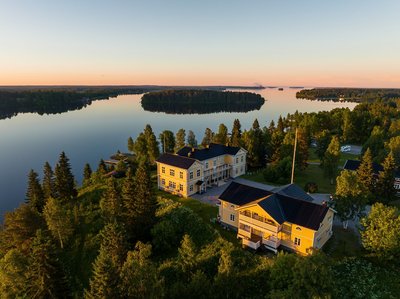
[
  {"x": 349, "y": 94},
  {"x": 201, "y": 101}
]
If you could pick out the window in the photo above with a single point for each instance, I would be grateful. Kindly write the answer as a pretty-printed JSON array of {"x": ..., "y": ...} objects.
[
  {"x": 241, "y": 169},
  {"x": 232, "y": 217},
  {"x": 172, "y": 172},
  {"x": 191, "y": 175},
  {"x": 241, "y": 159},
  {"x": 215, "y": 163},
  {"x": 163, "y": 169},
  {"x": 180, "y": 187},
  {"x": 162, "y": 181},
  {"x": 237, "y": 170},
  {"x": 237, "y": 159},
  {"x": 191, "y": 188},
  {"x": 297, "y": 241},
  {"x": 181, "y": 175},
  {"x": 198, "y": 172},
  {"x": 298, "y": 228},
  {"x": 206, "y": 165}
]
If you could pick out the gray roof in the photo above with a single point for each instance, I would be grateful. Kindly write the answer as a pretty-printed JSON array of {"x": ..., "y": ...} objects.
[
  {"x": 175, "y": 160},
  {"x": 213, "y": 150}
]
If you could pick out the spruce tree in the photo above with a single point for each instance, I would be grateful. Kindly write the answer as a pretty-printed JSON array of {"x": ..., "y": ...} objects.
[
  {"x": 191, "y": 139},
  {"x": 222, "y": 136},
  {"x": 34, "y": 192},
  {"x": 281, "y": 125},
  {"x": 145, "y": 205},
  {"x": 167, "y": 140},
  {"x": 153, "y": 151},
  {"x": 104, "y": 282},
  {"x": 64, "y": 180},
  {"x": 131, "y": 144},
  {"x": 114, "y": 242},
  {"x": 45, "y": 276},
  {"x": 236, "y": 133},
  {"x": 87, "y": 174},
  {"x": 365, "y": 172},
  {"x": 180, "y": 139},
  {"x": 128, "y": 197},
  {"x": 102, "y": 168},
  {"x": 111, "y": 204},
  {"x": 48, "y": 181},
  {"x": 208, "y": 136},
  {"x": 385, "y": 185}
]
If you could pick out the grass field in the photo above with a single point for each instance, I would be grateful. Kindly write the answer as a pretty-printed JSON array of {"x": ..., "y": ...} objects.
[{"x": 343, "y": 243}]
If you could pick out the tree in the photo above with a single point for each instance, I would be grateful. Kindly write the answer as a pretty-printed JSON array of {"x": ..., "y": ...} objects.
[
  {"x": 64, "y": 180},
  {"x": 349, "y": 130},
  {"x": 111, "y": 204},
  {"x": 350, "y": 198},
  {"x": 48, "y": 181},
  {"x": 331, "y": 159},
  {"x": 114, "y": 242},
  {"x": 380, "y": 232},
  {"x": 280, "y": 126},
  {"x": 102, "y": 168},
  {"x": 236, "y": 133},
  {"x": 323, "y": 140},
  {"x": 180, "y": 139},
  {"x": 145, "y": 205},
  {"x": 191, "y": 139},
  {"x": 104, "y": 282},
  {"x": 375, "y": 142},
  {"x": 121, "y": 166},
  {"x": 87, "y": 174},
  {"x": 45, "y": 276},
  {"x": 365, "y": 172},
  {"x": 222, "y": 136},
  {"x": 187, "y": 254},
  {"x": 34, "y": 192},
  {"x": 131, "y": 145},
  {"x": 208, "y": 137},
  {"x": 385, "y": 184},
  {"x": 140, "y": 149},
  {"x": 153, "y": 150},
  {"x": 253, "y": 142},
  {"x": 59, "y": 220},
  {"x": 139, "y": 276},
  {"x": 13, "y": 267},
  {"x": 394, "y": 146},
  {"x": 167, "y": 140}
]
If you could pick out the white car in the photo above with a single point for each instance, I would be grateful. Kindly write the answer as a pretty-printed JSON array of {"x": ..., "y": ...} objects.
[{"x": 345, "y": 148}]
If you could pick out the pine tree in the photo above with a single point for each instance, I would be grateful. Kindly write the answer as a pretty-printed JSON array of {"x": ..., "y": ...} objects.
[
  {"x": 167, "y": 140},
  {"x": 111, "y": 204},
  {"x": 140, "y": 149},
  {"x": 128, "y": 198},
  {"x": 187, "y": 254},
  {"x": 236, "y": 133},
  {"x": 114, "y": 242},
  {"x": 131, "y": 144},
  {"x": 48, "y": 181},
  {"x": 87, "y": 174},
  {"x": 34, "y": 192},
  {"x": 104, "y": 282},
  {"x": 180, "y": 139},
  {"x": 281, "y": 126},
  {"x": 45, "y": 276},
  {"x": 153, "y": 150},
  {"x": 145, "y": 205},
  {"x": 102, "y": 168},
  {"x": 222, "y": 136},
  {"x": 385, "y": 185},
  {"x": 208, "y": 137},
  {"x": 64, "y": 179},
  {"x": 365, "y": 172},
  {"x": 191, "y": 139}
]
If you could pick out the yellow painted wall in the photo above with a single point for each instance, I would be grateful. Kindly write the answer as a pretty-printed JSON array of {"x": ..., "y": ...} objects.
[
  {"x": 225, "y": 211},
  {"x": 325, "y": 231}
]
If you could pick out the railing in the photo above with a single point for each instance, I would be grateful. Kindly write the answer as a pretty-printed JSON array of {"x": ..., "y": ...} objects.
[
  {"x": 251, "y": 244},
  {"x": 244, "y": 233},
  {"x": 272, "y": 241},
  {"x": 261, "y": 224}
]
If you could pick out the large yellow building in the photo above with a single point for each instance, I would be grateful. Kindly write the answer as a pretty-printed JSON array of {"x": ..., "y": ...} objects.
[
  {"x": 192, "y": 170},
  {"x": 284, "y": 216}
]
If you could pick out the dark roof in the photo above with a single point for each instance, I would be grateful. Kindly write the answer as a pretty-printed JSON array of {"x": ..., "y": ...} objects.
[
  {"x": 287, "y": 203},
  {"x": 239, "y": 194},
  {"x": 213, "y": 150},
  {"x": 354, "y": 164},
  {"x": 175, "y": 160}
]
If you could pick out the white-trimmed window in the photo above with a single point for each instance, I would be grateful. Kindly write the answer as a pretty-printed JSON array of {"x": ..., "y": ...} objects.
[
  {"x": 180, "y": 187},
  {"x": 172, "y": 172},
  {"x": 237, "y": 159},
  {"x": 232, "y": 217},
  {"x": 191, "y": 175},
  {"x": 191, "y": 188},
  {"x": 198, "y": 172},
  {"x": 297, "y": 241},
  {"x": 206, "y": 165},
  {"x": 215, "y": 163},
  {"x": 163, "y": 169},
  {"x": 241, "y": 158},
  {"x": 162, "y": 181},
  {"x": 181, "y": 174}
]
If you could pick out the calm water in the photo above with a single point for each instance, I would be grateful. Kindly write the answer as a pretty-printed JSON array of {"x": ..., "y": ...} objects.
[{"x": 95, "y": 132}]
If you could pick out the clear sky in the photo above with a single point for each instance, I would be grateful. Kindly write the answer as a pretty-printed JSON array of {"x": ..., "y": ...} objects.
[{"x": 201, "y": 42}]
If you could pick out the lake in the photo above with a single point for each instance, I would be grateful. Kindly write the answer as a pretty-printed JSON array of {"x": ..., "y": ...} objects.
[{"x": 28, "y": 140}]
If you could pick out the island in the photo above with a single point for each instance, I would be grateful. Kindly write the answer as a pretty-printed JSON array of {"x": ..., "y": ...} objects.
[
  {"x": 201, "y": 101},
  {"x": 349, "y": 94}
]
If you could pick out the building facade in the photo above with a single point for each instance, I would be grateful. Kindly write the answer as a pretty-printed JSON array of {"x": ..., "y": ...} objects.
[
  {"x": 283, "y": 217},
  {"x": 192, "y": 170}
]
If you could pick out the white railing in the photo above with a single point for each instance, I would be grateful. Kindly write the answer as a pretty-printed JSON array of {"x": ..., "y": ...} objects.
[
  {"x": 244, "y": 233},
  {"x": 272, "y": 242},
  {"x": 251, "y": 244},
  {"x": 260, "y": 224}
]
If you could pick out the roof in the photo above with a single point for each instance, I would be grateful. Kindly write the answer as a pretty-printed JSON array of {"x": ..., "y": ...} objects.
[
  {"x": 175, "y": 160},
  {"x": 287, "y": 203},
  {"x": 213, "y": 150},
  {"x": 354, "y": 164},
  {"x": 239, "y": 194}
]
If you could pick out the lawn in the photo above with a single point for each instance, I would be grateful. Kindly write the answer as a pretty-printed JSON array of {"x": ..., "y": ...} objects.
[
  {"x": 344, "y": 242},
  {"x": 313, "y": 158}
]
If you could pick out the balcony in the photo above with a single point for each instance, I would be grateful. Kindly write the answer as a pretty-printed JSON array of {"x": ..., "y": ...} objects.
[
  {"x": 272, "y": 242},
  {"x": 244, "y": 233},
  {"x": 258, "y": 221},
  {"x": 254, "y": 242}
]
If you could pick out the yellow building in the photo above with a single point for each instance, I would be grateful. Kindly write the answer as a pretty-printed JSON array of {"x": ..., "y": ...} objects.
[
  {"x": 283, "y": 217},
  {"x": 192, "y": 170}
]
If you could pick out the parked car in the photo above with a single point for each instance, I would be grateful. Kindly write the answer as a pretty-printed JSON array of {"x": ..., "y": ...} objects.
[{"x": 345, "y": 148}]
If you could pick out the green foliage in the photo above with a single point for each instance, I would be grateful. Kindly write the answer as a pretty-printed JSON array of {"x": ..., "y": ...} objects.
[
  {"x": 167, "y": 140},
  {"x": 279, "y": 172},
  {"x": 222, "y": 136},
  {"x": 180, "y": 139},
  {"x": 13, "y": 269},
  {"x": 191, "y": 139},
  {"x": 153, "y": 150},
  {"x": 365, "y": 173},
  {"x": 323, "y": 139},
  {"x": 114, "y": 242},
  {"x": 385, "y": 184},
  {"x": 380, "y": 231},
  {"x": 331, "y": 159},
  {"x": 208, "y": 137},
  {"x": 48, "y": 181},
  {"x": 393, "y": 145},
  {"x": 311, "y": 187},
  {"x": 34, "y": 192},
  {"x": 64, "y": 179},
  {"x": 236, "y": 134},
  {"x": 87, "y": 174},
  {"x": 111, "y": 202}
]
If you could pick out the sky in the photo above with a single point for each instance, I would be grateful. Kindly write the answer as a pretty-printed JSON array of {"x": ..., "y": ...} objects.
[{"x": 209, "y": 42}]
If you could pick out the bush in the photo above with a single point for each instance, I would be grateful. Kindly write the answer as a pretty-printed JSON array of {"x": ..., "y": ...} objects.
[{"x": 311, "y": 187}]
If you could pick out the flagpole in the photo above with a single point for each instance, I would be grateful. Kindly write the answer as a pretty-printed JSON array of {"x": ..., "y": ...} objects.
[{"x": 294, "y": 157}]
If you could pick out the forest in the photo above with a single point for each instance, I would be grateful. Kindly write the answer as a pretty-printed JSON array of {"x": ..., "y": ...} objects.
[
  {"x": 201, "y": 101},
  {"x": 120, "y": 237},
  {"x": 349, "y": 94}
]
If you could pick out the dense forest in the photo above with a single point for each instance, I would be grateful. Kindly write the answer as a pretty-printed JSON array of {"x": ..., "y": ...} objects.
[
  {"x": 349, "y": 94},
  {"x": 201, "y": 101},
  {"x": 120, "y": 237}
]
